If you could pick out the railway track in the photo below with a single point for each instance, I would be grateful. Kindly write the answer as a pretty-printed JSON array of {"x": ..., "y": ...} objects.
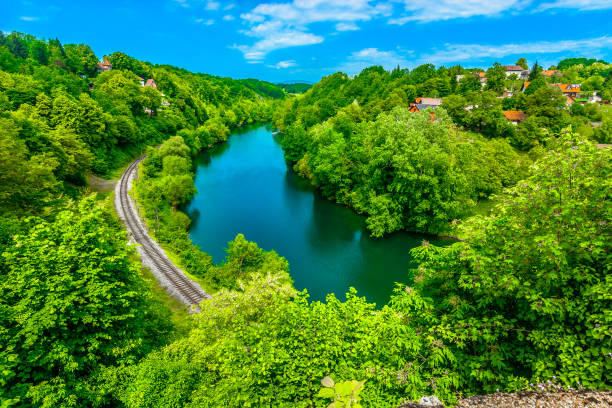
[{"x": 152, "y": 255}]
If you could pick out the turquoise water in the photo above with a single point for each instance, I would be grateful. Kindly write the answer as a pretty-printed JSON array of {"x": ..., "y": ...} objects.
[{"x": 244, "y": 186}]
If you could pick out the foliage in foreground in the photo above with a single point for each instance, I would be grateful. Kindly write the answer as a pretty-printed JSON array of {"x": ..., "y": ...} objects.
[
  {"x": 528, "y": 293},
  {"x": 71, "y": 302}
]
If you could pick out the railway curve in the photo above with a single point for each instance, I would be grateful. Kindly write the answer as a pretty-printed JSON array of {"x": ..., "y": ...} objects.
[{"x": 172, "y": 278}]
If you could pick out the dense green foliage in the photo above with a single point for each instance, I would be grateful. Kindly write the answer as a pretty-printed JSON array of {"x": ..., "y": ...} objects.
[
  {"x": 71, "y": 302},
  {"x": 534, "y": 278},
  {"x": 405, "y": 170},
  {"x": 345, "y": 136},
  {"x": 57, "y": 124},
  {"x": 524, "y": 297},
  {"x": 264, "y": 88}
]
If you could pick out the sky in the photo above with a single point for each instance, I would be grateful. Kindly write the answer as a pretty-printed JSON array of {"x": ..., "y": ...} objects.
[{"x": 282, "y": 40}]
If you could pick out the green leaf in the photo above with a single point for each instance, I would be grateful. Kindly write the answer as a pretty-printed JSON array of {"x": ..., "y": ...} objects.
[{"x": 326, "y": 393}]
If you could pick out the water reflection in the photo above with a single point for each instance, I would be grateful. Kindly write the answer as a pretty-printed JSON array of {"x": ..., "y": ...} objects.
[{"x": 244, "y": 186}]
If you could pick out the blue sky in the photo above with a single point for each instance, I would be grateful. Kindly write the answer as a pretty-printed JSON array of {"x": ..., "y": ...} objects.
[{"x": 281, "y": 40}]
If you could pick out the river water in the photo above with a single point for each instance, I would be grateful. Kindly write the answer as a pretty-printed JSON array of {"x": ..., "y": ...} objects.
[{"x": 244, "y": 186}]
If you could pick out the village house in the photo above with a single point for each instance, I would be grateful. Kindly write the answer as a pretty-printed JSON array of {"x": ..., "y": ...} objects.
[
  {"x": 520, "y": 72},
  {"x": 104, "y": 66},
  {"x": 572, "y": 90},
  {"x": 424, "y": 103},
  {"x": 482, "y": 77},
  {"x": 515, "y": 116},
  {"x": 141, "y": 81},
  {"x": 151, "y": 82}
]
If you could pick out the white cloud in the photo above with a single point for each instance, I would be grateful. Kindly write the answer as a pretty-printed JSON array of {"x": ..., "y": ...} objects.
[
  {"x": 470, "y": 52},
  {"x": 273, "y": 36},
  {"x": 578, "y": 4},
  {"x": 28, "y": 18},
  {"x": 183, "y": 3},
  {"x": 283, "y": 25},
  {"x": 229, "y": 6},
  {"x": 212, "y": 5},
  {"x": 228, "y": 17},
  {"x": 373, "y": 56},
  {"x": 427, "y": 10},
  {"x": 207, "y": 22},
  {"x": 283, "y": 64},
  {"x": 346, "y": 27}
]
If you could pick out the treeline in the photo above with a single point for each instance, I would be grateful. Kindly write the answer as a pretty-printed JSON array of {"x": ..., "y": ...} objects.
[
  {"x": 356, "y": 141},
  {"x": 60, "y": 119}
]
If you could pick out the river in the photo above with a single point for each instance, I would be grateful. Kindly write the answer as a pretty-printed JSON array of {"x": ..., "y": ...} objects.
[{"x": 244, "y": 186}]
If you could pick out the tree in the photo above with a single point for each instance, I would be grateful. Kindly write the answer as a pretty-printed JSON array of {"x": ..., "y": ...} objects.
[
  {"x": 496, "y": 78},
  {"x": 522, "y": 62},
  {"x": 525, "y": 295},
  {"x": 536, "y": 84},
  {"x": 593, "y": 83},
  {"x": 27, "y": 184},
  {"x": 536, "y": 72},
  {"x": 469, "y": 83},
  {"x": 71, "y": 303},
  {"x": 81, "y": 59}
]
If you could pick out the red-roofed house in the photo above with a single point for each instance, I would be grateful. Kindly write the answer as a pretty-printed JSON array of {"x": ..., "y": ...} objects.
[
  {"x": 141, "y": 80},
  {"x": 104, "y": 66},
  {"x": 424, "y": 103},
  {"x": 151, "y": 82},
  {"x": 482, "y": 77},
  {"x": 551, "y": 72},
  {"x": 519, "y": 71},
  {"x": 572, "y": 90},
  {"x": 515, "y": 116}
]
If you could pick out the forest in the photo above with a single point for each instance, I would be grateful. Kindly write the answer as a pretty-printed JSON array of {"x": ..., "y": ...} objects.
[{"x": 519, "y": 300}]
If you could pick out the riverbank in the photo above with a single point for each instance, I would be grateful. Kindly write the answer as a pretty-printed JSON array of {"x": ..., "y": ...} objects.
[{"x": 245, "y": 186}]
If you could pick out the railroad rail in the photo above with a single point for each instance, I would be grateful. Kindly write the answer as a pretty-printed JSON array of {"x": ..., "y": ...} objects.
[{"x": 175, "y": 281}]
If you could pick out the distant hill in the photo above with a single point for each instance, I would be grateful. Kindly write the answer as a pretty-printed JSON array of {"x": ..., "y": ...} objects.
[
  {"x": 263, "y": 87},
  {"x": 295, "y": 86}
]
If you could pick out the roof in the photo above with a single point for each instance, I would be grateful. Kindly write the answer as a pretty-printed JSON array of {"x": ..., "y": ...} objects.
[
  {"x": 480, "y": 74},
  {"x": 514, "y": 68},
  {"x": 429, "y": 101},
  {"x": 550, "y": 72},
  {"x": 151, "y": 82},
  {"x": 421, "y": 106},
  {"x": 567, "y": 88},
  {"x": 570, "y": 100},
  {"x": 105, "y": 64},
  {"x": 518, "y": 116},
  {"x": 139, "y": 78},
  {"x": 604, "y": 146}
]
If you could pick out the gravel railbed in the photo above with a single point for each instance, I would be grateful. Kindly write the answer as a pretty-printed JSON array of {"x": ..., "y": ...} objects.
[{"x": 528, "y": 399}]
